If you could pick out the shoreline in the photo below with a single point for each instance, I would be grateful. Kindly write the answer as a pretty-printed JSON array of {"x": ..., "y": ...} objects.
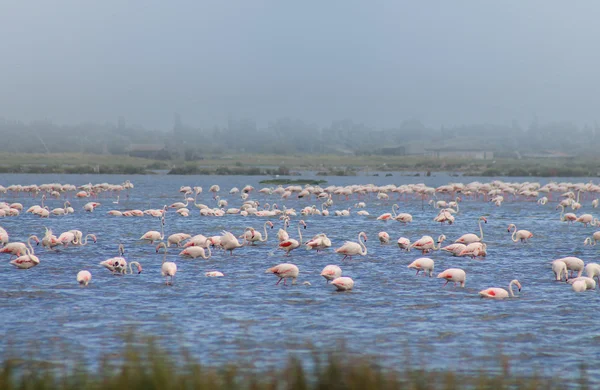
[{"x": 273, "y": 165}]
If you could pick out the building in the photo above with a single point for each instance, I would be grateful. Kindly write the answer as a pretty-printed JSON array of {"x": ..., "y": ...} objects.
[
  {"x": 393, "y": 151},
  {"x": 477, "y": 154}
]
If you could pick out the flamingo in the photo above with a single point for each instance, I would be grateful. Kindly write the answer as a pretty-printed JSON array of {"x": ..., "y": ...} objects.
[
  {"x": 84, "y": 277},
  {"x": 282, "y": 234},
  {"x": 424, "y": 264},
  {"x": 63, "y": 211},
  {"x": 180, "y": 205},
  {"x": 116, "y": 264},
  {"x": 455, "y": 248},
  {"x": 350, "y": 248},
  {"x": 198, "y": 240},
  {"x": 569, "y": 217},
  {"x": 579, "y": 286},
  {"x": 168, "y": 268},
  {"x": 500, "y": 293},
  {"x": 79, "y": 242},
  {"x": 26, "y": 261},
  {"x": 426, "y": 244},
  {"x": 214, "y": 274},
  {"x": 559, "y": 267},
  {"x": 593, "y": 240},
  {"x": 331, "y": 272},
  {"x": 18, "y": 248},
  {"x": 229, "y": 242},
  {"x": 3, "y": 237},
  {"x": 517, "y": 235},
  {"x": 470, "y": 237},
  {"x": 318, "y": 242},
  {"x": 252, "y": 236},
  {"x": 573, "y": 264},
  {"x": 283, "y": 272},
  {"x": 585, "y": 219},
  {"x": 474, "y": 250},
  {"x": 343, "y": 283},
  {"x": 455, "y": 275},
  {"x": 589, "y": 282},
  {"x": 384, "y": 238},
  {"x": 195, "y": 251},
  {"x": 388, "y": 216},
  {"x": 290, "y": 244},
  {"x": 592, "y": 270},
  {"x": 404, "y": 243},
  {"x": 176, "y": 239},
  {"x": 91, "y": 206},
  {"x": 153, "y": 235}
]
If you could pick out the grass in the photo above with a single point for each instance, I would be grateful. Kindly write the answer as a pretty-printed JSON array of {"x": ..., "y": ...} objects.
[{"x": 141, "y": 364}]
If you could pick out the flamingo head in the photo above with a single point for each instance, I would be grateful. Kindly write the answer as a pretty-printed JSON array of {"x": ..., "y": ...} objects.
[
  {"x": 484, "y": 219},
  {"x": 95, "y": 240},
  {"x": 441, "y": 239},
  {"x": 270, "y": 224},
  {"x": 303, "y": 223},
  {"x": 364, "y": 235},
  {"x": 518, "y": 284}
]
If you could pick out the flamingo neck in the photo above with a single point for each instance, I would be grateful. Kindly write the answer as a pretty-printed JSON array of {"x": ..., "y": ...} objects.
[
  {"x": 300, "y": 234},
  {"x": 514, "y": 235},
  {"x": 362, "y": 244},
  {"x": 29, "y": 244},
  {"x": 510, "y": 289},
  {"x": 266, "y": 233},
  {"x": 480, "y": 230}
]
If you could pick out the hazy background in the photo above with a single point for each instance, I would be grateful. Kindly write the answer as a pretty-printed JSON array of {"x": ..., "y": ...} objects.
[{"x": 379, "y": 62}]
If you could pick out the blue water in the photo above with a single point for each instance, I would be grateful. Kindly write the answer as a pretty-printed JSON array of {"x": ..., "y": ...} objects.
[{"x": 391, "y": 313}]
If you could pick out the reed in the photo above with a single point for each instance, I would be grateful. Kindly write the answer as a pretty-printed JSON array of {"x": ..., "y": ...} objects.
[{"x": 144, "y": 365}]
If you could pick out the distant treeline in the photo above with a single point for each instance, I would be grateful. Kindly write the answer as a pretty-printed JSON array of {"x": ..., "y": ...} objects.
[{"x": 286, "y": 135}]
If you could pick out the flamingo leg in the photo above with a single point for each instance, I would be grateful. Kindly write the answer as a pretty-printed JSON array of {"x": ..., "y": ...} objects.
[
  {"x": 445, "y": 283},
  {"x": 417, "y": 272},
  {"x": 344, "y": 257},
  {"x": 280, "y": 279}
]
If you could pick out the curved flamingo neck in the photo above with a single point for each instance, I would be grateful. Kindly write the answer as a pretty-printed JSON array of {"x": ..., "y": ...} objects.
[
  {"x": 29, "y": 244},
  {"x": 266, "y": 232},
  {"x": 514, "y": 234},
  {"x": 394, "y": 207},
  {"x": 362, "y": 244},
  {"x": 510, "y": 289}
]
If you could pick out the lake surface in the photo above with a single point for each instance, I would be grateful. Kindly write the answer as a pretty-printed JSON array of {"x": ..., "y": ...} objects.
[{"x": 390, "y": 313}]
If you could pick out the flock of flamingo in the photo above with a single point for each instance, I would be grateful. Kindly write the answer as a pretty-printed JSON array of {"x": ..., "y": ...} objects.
[{"x": 566, "y": 195}]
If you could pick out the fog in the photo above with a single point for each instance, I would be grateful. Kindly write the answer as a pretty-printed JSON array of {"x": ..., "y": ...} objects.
[{"x": 378, "y": 63}]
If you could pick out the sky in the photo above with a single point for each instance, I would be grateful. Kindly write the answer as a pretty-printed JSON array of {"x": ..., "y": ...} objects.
[{"x": 376, "y": 62}]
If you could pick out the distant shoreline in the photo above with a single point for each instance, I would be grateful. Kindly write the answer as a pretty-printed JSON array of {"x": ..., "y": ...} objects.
[{"x": 283, "y": 165}]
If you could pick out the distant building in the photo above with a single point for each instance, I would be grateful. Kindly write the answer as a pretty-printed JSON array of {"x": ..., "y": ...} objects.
[
  {"x": 151, "y": 151},
  {"x": 477, "y": 154},
  {"x": 393, "y": 151},
  {"x": 547, "y": 154}
]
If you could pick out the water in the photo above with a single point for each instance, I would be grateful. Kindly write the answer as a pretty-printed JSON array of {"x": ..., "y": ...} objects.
[{"x": 390, "y": 313}]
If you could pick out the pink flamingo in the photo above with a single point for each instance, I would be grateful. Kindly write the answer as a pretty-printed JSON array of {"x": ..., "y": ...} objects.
[{"x": 283, "y": 272}]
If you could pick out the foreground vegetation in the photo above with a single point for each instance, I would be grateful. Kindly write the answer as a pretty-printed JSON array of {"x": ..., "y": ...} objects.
[
  {"x": 143, "y": 365},
  {"x": 324, "y": 165}
]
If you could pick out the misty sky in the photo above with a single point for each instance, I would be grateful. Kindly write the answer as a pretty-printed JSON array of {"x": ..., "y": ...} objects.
[{"x": 377, "y": 62}]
